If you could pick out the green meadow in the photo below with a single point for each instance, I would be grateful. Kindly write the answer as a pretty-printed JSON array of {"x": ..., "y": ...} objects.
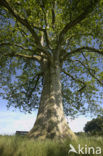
[{"x": 22, "y": 146}]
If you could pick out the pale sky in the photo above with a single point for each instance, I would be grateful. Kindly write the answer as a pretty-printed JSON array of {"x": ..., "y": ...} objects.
[{"x": 10, "y": 121}]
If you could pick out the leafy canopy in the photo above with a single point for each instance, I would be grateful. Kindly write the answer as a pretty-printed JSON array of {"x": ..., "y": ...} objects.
[
  {"x": 95, "y": 126},
  {"x": 33, "y": 30}
]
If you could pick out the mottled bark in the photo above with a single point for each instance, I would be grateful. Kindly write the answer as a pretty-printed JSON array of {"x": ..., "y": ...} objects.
[{"x": 51, "y": 122}]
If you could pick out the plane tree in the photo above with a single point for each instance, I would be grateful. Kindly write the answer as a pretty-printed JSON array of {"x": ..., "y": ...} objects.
[{"x": 51, "y": 60}]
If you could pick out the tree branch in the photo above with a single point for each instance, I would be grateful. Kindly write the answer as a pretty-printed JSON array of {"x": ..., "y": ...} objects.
[
  {"x": 89, "y": 70},
  {"x": 39, "y": 49},
  {"x": 21, "y": 20},
  {"x": 46, "y": 24},
  {"x": 79, "y": 50},
  {"x": 35, "y": 57},
  {"x": 77, "y": 80},
  {"x": 38, "y": 75},
  {"x": 45, "y": 33},
  {"x": 76, "y": 35},
  {"x": 80, "y": 18},
  {"x": 53, "y": 15},
  {"x": 28, "y": 26},
  {"x": 17, "y": 45}
]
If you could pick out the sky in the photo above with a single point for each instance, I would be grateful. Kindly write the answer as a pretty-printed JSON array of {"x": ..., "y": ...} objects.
[{"x": 12, "y": 121}]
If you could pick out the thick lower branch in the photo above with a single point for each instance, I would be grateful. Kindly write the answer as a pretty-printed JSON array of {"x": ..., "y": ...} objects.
[{"x": 36, "y": 58}]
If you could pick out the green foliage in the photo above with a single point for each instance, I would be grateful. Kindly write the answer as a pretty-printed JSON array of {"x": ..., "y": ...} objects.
[
  {"x": 65, "y": 26},
  {"x": 95, "y": 126}
]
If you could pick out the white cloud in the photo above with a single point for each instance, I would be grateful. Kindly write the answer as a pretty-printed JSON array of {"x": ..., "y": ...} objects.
[
  {"x": 10, "y": 122},
  {"x": 78, "y": 124}
]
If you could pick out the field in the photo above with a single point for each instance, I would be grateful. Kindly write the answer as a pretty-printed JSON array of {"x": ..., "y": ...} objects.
[{"x": 22, "y": 146}]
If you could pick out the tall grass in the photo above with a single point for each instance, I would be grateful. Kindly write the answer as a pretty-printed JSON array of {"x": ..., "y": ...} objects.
[{"x": 22, "y": 146}]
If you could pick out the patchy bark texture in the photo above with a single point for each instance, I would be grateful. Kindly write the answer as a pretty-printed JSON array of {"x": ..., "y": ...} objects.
[{"x": 51, "y": 122}]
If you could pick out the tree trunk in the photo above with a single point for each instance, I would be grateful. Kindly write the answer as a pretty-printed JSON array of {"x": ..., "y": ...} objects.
[{"x": 51, "y": 122}]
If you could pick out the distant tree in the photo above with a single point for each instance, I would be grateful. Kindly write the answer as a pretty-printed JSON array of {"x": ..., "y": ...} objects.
[
  {"x": 50, "y": 60},
  {"x": 95, "y": 126}
]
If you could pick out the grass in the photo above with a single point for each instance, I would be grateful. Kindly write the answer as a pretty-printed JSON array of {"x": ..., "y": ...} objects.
[{"x": 22, "y": 146}]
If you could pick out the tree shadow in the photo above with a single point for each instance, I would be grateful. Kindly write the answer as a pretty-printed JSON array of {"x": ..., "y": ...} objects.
[{"x": 1, "y": 151}]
